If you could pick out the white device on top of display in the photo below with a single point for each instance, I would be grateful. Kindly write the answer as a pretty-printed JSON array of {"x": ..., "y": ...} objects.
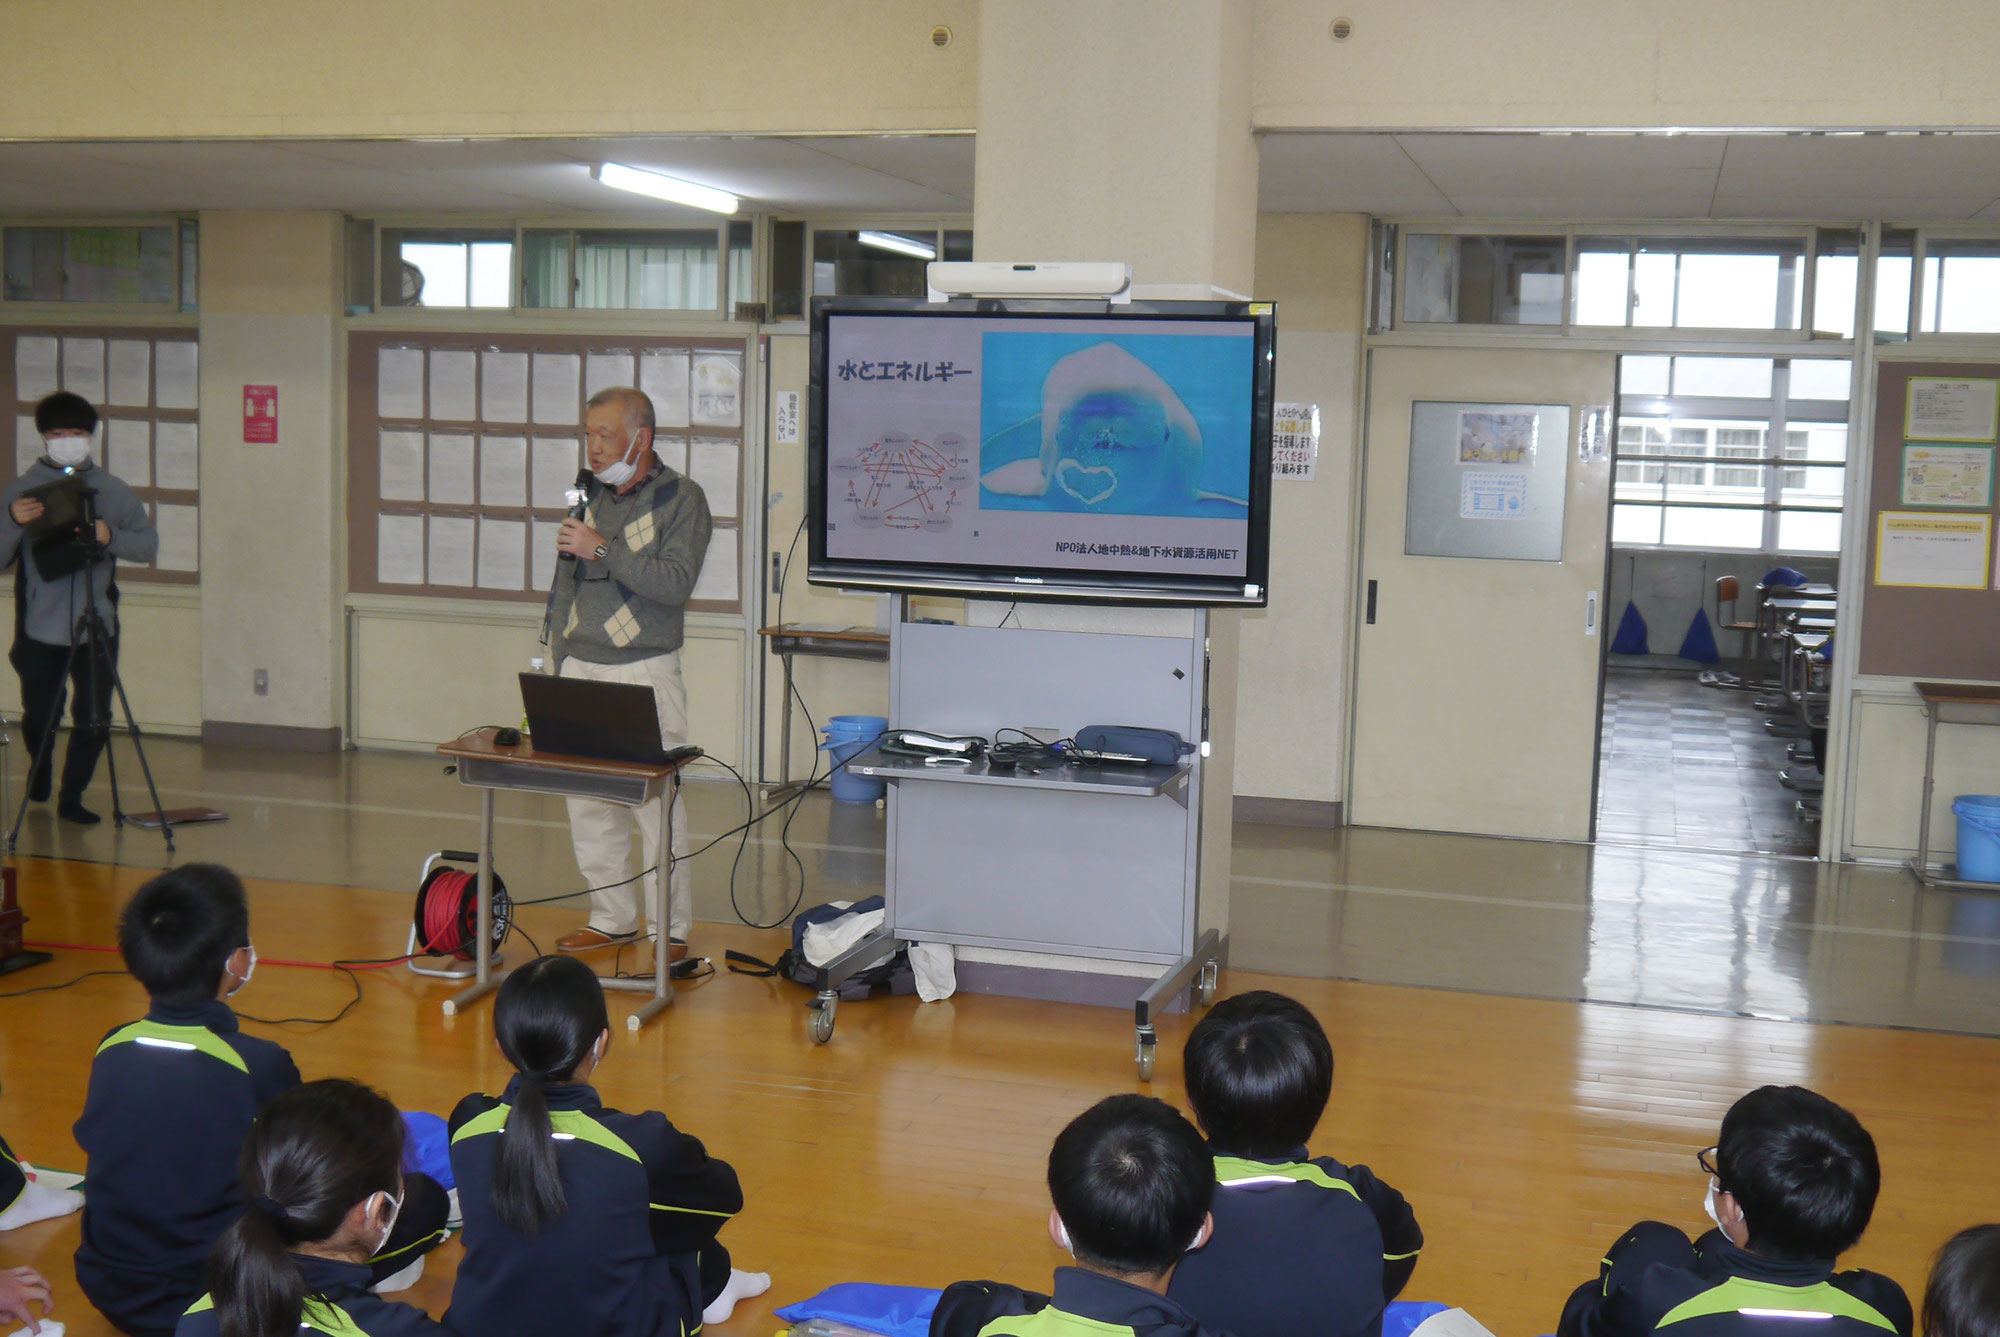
[{"x": 1110, "y": 279}]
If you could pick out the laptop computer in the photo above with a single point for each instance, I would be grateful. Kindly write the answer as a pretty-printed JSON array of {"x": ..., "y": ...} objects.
[{"x": 606, "y": 721}]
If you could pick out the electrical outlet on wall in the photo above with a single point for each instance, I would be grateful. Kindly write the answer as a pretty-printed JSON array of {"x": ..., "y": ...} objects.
[{"x": 260, "y": 682}]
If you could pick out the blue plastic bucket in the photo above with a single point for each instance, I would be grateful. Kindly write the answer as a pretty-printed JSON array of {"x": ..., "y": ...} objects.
[
  {"x": 1978, "y": 836},
  {"x": 849, "y": 735}
]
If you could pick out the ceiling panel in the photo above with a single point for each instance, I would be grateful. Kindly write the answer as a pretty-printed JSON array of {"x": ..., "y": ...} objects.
[
  {"x": 1311, "y": 174},
  {"x": 1859, "y": 176},
  {"x": 1571, "y": 176}
]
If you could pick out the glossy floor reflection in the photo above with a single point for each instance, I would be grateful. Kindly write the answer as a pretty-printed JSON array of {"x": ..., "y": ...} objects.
[{"x": 1618, "y": 924}]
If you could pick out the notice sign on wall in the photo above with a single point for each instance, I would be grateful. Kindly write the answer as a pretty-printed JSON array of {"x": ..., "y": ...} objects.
[
  {"x": 260, "y": 415},
  {"x": 1945, "y": 552},
  {"x": 1950, "y": 409},
  {"x": 785, "y": 417},
  {"x": 1294, "y": 441}
]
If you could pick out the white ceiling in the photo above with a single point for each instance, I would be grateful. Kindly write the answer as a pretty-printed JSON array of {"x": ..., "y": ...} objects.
[
  {"x": 877, "y": 174},
  {"x": 1910, "y": 177}
]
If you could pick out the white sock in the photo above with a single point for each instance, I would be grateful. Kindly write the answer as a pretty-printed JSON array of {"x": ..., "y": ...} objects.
[
  {"x": 400, "y": 1281},
  {"x": 742, "y": 1286},
  {"x": 39, "y": 1202}
]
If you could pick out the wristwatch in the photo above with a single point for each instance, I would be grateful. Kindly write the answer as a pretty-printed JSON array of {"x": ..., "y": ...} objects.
[{"x": 602, "y": 548}]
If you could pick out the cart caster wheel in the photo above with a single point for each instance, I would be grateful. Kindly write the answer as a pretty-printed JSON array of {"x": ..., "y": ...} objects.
[
  {"x": 1205, "y": 990},
  {"x": 1145, "y": 1058},
  {"x": 819, "y": 1022}
]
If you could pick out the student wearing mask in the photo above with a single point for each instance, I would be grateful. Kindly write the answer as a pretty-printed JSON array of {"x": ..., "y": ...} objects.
[
  {"x": 323, "y": 1187},
  {"x": 58, "y": 577},
  {"x": 615, "y": 615}
]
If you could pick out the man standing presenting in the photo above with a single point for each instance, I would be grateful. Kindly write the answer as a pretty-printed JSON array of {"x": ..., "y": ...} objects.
[
  {"x": 60, "y": 577},
  {"x": 616, "y": 616}
]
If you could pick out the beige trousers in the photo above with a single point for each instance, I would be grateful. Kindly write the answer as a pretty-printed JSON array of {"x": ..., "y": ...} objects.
[{"x": 602, "y": 832}]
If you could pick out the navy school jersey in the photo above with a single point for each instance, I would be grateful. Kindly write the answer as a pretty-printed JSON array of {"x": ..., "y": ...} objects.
[
  {"x": 171, "y": 1098},
  {"x": 1085, "y": 1304},
  {"x": 644, "y": 1199},
  {"x": 1655, "y": 1280},
  {"x": 1299, "y": 1246},
  {"x": 338, "y": 1304}
]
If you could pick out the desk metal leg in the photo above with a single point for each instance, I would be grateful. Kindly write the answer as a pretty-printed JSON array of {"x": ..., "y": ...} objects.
[
  {"x": 1922, "y": 865},
  {"x": 663, "y": 989},
  {"x": 786, "y": 785},
  {"x": 1201, "y": 965},
  {"x": 482, "y": 949}
]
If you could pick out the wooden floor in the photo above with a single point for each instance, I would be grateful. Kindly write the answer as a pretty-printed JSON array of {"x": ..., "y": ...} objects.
[{"x": 911, "y": 1149}]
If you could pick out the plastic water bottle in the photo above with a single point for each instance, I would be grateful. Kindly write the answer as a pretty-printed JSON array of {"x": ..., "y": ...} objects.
[{"x": 535, "y": 665}]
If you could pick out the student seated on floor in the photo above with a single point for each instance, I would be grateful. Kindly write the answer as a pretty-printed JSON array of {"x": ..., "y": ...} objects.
[
  {"x": 171, "y": 1097},
  {"x": 1302, "y": 1243},
  {"x": 1131, "y": 1183},
  {"x": 580, "y": 1220},
  {"x": 323, "y": 1186},
  {"x": 1963, "y": 1299},
  {"x": 1792, "y": 1183}
]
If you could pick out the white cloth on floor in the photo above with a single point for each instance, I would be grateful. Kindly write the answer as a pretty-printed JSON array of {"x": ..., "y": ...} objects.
[
  {"x": 824, "y": 941},
  {"x": 936, "y": 969}
]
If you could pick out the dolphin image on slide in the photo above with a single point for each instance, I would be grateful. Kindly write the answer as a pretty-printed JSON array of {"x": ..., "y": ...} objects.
[{"x": 1115, "y": 438}]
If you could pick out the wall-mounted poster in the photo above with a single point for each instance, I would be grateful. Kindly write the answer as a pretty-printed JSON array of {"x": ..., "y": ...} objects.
[
  {"x": 1953, "y": 477},
  {"x": 1942, "y": 408},
  {"x": 1940, "y": 552},
  {"x": 1487, "y": 438}
]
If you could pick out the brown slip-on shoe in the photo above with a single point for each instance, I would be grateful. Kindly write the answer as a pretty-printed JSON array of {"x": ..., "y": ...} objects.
[{"x": 591, "y": 940}]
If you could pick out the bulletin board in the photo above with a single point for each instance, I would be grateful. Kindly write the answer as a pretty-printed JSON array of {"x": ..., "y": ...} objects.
[
  {"x": 1933, "y": 603},
  {"x": 460, "y": 448},
  {"x": 145, "y": 384},
  {"x": 1487, "y": 480}
]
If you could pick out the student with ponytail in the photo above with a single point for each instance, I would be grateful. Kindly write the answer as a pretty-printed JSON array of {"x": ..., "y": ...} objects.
[
  {"x": 323, "y": 1180},
  {"x": 580, "y": 1219}
]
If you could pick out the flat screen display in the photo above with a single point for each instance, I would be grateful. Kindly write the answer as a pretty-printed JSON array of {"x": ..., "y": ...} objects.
[{"x": 1066, "y": 449}]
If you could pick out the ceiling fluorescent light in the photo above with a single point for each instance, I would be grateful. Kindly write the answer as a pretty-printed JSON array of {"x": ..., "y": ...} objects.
[
  {"x": 889, "y": 241},
  {"x": 662, "y": 187}
]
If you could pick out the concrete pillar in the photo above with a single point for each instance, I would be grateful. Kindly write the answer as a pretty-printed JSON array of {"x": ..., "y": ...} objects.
[
  {"x": 1120, "y": 130},
  {"x": 271, "y": 544}
]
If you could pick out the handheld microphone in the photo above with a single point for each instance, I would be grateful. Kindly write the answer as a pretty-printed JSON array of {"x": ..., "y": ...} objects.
[{"x": 578, "y": 496}]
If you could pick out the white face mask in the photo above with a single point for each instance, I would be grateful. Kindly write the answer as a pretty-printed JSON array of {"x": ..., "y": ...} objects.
[
  {"x": 250, "y": 970},
  {"x": 389, "y": 1228},
  {"x": 68, "y": 451},
  {"x": 619, "y": 474}
]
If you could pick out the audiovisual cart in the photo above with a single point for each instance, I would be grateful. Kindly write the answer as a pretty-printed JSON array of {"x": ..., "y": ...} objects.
[
  {"x": 485, "y": 765},
  {"x": 1947, "y": 703},
  {"x": 1098, "y": 862}
]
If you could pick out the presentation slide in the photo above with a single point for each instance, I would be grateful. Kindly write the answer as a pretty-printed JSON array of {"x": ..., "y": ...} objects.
[{"x": 1016, "y": 442}]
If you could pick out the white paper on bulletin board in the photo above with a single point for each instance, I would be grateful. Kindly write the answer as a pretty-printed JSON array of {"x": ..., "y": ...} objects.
[
  {"x": 128, "y": 450},
  {"x": 712, "y": 465},
  {"x": 716, "y": 390},
  {"x": 1943, "y": 552},
  {"x": 1294, "y": 442},
  {"x": 542, "y": 553},
  {"x": 176, "y": 456},
  {"x": 177, "y": 374},
  {"x": 663, "y": 376},
  {"x": 606, "y": 371},
  {"x": 83, "y": 368},
  {"x": 555, "y": 460},
  {"x": 500, "y": 552},
  {"x": 454, "y": 385},
  {"x": 1492, "y": 494},
  {"x": 399, "y": 549},
  {"x": 1952, "y": 477},
  {"x": 450, "y": 550},
  {"x": 128, "y": 379},
  {"x": 35, "y": 373},
  {"x": 503, "y": 386},
  {"x": 1938, "y": 408},
  {"x": 451, "y": 469},
  {"x": 503, "y": 473},
  {"x": 718, "y": 580},
  {"x": 399, "y": 381},
  {"x": 27, "y": 444},
  {"x": 402, "y": 466},
  {"x": 557, "y": 376},
  {"x": 180, "y": 537}
]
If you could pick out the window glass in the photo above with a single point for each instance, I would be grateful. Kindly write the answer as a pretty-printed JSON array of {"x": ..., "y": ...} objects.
[
  {"x": 91, "y": 264},
  {"x": 1821, "y": 377},
  {"x": 872, "y": 262},
  {"x": 1470, "y": 280},
  {"x": 1961, "y": 287},
  {"x": 1723, "y": 377},
  {"x": 957, "y": 244},
  {"x": 435, "y": 267},
  {"x": 1747, "y": 283},
  {"x": 545, "y": 276},
  {"x": 1644, "y": 375},
  {"x": 190, "y": 265},
  {"x": 654, "y": 271},
  {"x": 1809, "y": 531},
  {"x": 742, "y": 279}
]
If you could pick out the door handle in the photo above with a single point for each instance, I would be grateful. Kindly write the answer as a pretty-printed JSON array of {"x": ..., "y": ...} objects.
[
  {"x": 1371, "y": 603},
  {"x": 1590, "y": 613}
]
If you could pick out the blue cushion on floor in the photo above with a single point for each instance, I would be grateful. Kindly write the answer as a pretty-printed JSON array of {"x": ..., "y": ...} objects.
[
  {"x": 893, "y": 1311},
  {"x": 1402, "y": 1316},
  {"x": 427, "y": 1147}
]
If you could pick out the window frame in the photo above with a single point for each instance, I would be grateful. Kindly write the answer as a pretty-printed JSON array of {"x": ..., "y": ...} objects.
[{"x": 18, "y": 311}]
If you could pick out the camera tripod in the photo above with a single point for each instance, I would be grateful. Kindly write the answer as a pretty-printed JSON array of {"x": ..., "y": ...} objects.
[{"x": 92, "y": 639}]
